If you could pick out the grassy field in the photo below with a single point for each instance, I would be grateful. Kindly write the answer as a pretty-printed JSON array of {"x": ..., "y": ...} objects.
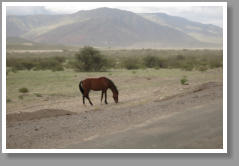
[
  {"x": 47, "y": 87},
  {"x": 51, "y": 77}
]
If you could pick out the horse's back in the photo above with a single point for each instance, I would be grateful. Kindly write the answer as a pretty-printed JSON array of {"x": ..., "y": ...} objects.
[
  {"x": 100, "y": 83},
  {"x": 96, "y": 79}
]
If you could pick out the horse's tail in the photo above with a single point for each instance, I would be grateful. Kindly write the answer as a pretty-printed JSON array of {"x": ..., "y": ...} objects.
[{"x": 81, "y": 88}]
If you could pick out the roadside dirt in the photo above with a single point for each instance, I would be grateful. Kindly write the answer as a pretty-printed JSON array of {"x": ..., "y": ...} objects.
[{"x": 191, "y": 119}]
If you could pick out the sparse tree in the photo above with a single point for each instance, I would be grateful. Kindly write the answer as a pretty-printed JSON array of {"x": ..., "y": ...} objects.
[{"x": 90, "y": 59}]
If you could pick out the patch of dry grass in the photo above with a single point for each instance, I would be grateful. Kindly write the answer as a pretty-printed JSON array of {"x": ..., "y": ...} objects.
[{"x": 60, "y": 89}]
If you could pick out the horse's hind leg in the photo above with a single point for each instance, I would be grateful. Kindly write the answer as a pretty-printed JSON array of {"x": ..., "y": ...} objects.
[
  {"x": 83, "y": 99},
  {"x": 86, "y": 94},
  {"x": 89, "y": 100}
]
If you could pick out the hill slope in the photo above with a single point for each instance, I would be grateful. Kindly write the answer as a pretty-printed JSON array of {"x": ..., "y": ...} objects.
[
  {"x": 202, "y": 32},
  {"x": 106, "y": 27}
]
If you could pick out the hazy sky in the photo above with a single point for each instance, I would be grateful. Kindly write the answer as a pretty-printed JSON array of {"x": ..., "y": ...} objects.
[{"x": 203, "y": 14}]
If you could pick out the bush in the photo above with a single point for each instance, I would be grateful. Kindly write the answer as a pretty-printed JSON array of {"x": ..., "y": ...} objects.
[
  {"x": 9, "y": 100},
  {"x": 202, "y": 68},
  {"x": 49, "y": 64},
  {"x": 215, "y": 63},
  {"x": 38, "y": 94},
  {"x": 131, "y": 63},
  {"x": 155, "y": 62},
  {"x": 187, "y": 66},
  {"x": 59, "y": 59},
  {"x": 52, "y": 63},
  {"x": 180, "y": 57},
  {"x": 90, "y": 59},
  {"x": 151, "y": 61},
  {"x": 173, "y": 62},
  {"x": 23, "y": 90},
  {"x": 20, "y": 63},
  {"x": 184, "y": 80}
]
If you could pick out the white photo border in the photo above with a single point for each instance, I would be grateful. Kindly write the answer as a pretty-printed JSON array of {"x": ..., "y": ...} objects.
[{"x": 216, "y": 4}]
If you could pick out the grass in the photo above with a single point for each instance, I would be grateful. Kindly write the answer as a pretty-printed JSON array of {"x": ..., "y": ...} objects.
[
  {"x": 45, "y": 84},
  {"x": 143, "y": 80},
  {"x": 20, "y": 97},
  {"x": 38, "y": 95}
]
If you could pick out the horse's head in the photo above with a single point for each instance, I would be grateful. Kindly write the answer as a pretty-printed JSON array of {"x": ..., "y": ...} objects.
[{"x": 115, "y": 96}]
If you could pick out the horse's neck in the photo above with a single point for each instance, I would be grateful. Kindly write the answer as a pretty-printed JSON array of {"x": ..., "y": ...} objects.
[{"x": 113, "y": 90}]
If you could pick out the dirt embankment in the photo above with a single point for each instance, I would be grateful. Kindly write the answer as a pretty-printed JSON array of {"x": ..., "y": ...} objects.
[
  {"x": 44, "y": 113},
  {"x": 192, "y": 119}
]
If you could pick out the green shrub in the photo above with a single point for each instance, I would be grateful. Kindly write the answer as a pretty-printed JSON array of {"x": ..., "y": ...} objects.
[
  {"x": 95, "y": 60},
  {"x": 151, "y": 61},
  {"x": 37, "y": 94},
  {"x": 172, "y": 62},
  {"x": 184, "y": 80},
  {"x": 60, "y": 59},
  {"x": 90, "y": 59},
  {"x": 51, "y": 63},
  {"x": 57, "y": 68},
  {"x": 23, "y": 90},
  {"x": 215, "y": 63},
  {"x": 21, "y": 63},
  {"x": 48, "y": 64},
  {"x": 180, "y": 57},
  {"x": 202, "y": 68},
  {"x": 187, "y": 66},
  {"x": 9, "y": 100},
  {"x": 131, "y": 63}
]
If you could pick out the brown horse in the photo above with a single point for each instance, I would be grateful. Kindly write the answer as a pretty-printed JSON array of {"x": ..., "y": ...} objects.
[{"x": 98, "y": 84}]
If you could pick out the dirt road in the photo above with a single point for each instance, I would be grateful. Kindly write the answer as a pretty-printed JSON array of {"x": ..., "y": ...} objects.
[{"x": 192, "y": 119}]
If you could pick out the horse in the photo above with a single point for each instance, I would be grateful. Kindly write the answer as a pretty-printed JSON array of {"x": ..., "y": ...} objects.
[{"x": 98, "y": 84}]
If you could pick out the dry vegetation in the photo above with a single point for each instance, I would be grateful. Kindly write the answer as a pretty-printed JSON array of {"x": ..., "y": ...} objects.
[
  {"x": 49, "y": 80},
  {"x": 90, "y": 59},
  {"x": 44, "y": 101}
]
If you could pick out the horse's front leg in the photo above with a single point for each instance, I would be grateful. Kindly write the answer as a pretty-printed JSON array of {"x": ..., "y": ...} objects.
[
  {"x": 102, "y": 93},
  {"x": 106, "y": 97}
]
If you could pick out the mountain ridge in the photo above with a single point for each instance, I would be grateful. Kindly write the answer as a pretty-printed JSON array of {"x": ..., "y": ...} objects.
[{"x": 108, "y": 27}]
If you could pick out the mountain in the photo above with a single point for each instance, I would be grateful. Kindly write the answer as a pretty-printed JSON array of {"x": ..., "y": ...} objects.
[
  {"x": 202, "y": 32},
  {"x": 18, "y": 26},
  {"x": 16, "y": 40},
  {"x": 106, "y": 27}
]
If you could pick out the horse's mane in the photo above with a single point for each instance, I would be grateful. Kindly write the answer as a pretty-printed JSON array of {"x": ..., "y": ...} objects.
[{"x": 113, "y": 85}]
